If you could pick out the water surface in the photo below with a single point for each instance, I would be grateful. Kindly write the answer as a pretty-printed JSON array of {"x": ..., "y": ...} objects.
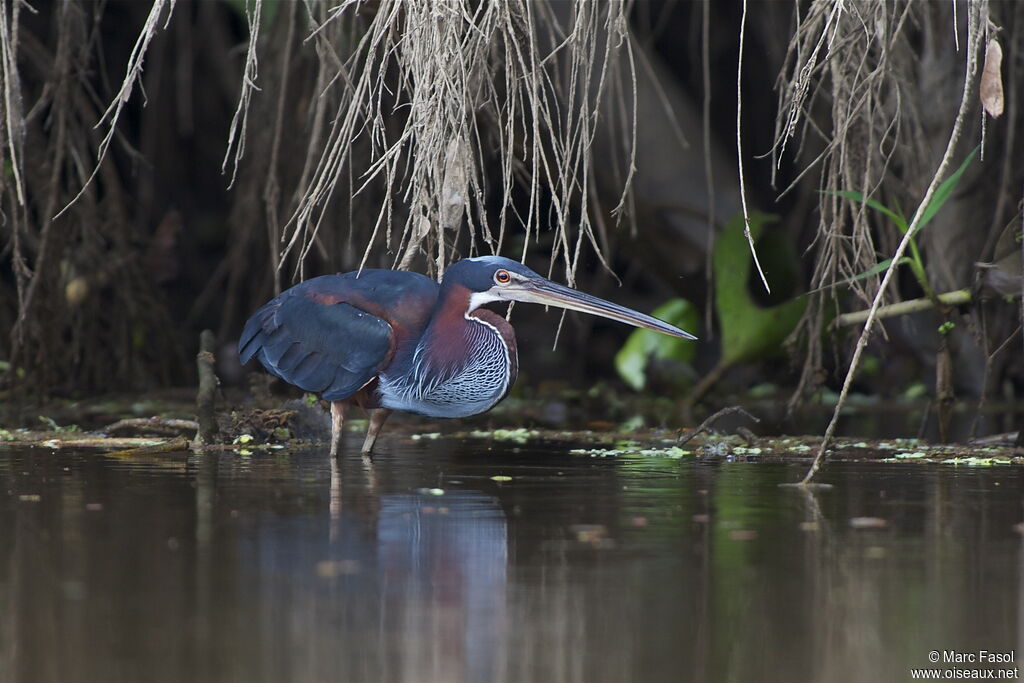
[{"x": 280, "y": 567}]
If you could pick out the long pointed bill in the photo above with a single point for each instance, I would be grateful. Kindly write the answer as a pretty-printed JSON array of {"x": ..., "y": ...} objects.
[{"x": 543, "y": 291}]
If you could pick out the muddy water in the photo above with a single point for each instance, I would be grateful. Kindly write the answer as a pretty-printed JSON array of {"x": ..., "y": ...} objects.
[{"x": 279, "y": 567}]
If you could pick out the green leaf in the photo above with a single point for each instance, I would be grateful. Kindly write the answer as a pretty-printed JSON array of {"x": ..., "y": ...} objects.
[
  {"x": 643, "y": 345},
  {"x": 873, "y": 203},
  {"x": 944, "y": 192},
  {"x": 880, "y": 267},
  {"x": 915, "y": 391},
  {"x": 749, "y": 331}
]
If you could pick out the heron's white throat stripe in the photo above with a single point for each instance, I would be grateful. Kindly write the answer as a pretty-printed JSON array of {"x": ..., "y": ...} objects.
[{"x": 478, "y": 299}]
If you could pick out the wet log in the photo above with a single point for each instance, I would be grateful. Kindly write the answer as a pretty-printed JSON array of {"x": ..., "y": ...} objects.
[{"x": 152, "y": 425}]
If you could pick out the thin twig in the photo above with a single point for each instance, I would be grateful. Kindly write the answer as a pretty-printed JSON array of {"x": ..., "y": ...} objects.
[
  {"x": 739, "y": 150},
  {"x": 706, "y": 425},
  {"x": 240, "y": 120},
  {"x": 133, "y": 73},
  {"x": 13, "y": 118}
]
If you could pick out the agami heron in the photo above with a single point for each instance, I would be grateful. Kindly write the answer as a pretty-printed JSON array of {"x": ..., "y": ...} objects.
[{"x": 395, "y": 340}]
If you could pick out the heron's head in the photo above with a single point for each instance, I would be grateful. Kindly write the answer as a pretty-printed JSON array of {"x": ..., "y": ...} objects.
[{"x": 495, "y": 278}]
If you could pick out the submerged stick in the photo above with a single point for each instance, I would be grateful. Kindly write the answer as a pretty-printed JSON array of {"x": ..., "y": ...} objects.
[{"x": 207, "y": 395}]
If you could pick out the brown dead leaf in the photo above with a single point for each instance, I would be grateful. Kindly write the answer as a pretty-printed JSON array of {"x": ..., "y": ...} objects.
[{"x": 992, "y": 80}]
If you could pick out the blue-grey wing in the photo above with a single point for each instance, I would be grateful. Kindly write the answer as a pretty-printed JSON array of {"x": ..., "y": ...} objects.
[{"x": 332, "y": 349}]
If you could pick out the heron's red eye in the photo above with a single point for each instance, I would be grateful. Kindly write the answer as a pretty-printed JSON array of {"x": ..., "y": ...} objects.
[{"x": 502, "y": 277}]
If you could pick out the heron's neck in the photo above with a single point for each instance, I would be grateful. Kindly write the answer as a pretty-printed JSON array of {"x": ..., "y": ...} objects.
[
  {"x": 449, "y": 334},
  {"x": 464, "y": 363},
  {"x": 455, "y": 327}
]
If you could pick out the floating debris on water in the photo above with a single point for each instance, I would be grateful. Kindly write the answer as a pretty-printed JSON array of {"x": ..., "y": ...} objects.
[
  {"x": 595, "y": 535},
  {"x": 329, "y": 569},
  {"x": 973, "y": 461},
  {"x": 520, "y": 435},
  {"x": 940, "y": 457},
  {"x": 429, "y": 436},
  {"x": 430, "y": 492},
  {"x": 868, "y": 523},
  {"x": 810, "y": 486},
  {"x": 714, "y": 450},
  {"x": 674, "y": 452}
]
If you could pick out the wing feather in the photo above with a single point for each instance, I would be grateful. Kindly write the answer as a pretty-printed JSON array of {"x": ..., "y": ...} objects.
[
  {"x": 333, "y": 334},
  {"x": 331, "y": 349}
]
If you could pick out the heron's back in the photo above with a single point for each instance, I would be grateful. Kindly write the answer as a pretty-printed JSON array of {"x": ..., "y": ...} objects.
[{"x": 334, "y": 334}]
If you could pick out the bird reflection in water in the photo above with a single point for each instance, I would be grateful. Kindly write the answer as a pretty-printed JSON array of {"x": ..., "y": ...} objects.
[{"x": 409, "y": 586}]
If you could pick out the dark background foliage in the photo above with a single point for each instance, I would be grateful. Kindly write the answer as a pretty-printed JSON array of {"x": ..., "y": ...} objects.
[{"x": 111, "y": 294}]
